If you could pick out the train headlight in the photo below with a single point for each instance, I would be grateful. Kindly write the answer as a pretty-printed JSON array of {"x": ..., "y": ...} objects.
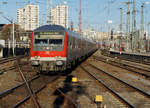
[
  {"x": 35, "y": 63},
  {"x": 47, "y": 48},
  {"x": 59, "y": 63},
  {"x": 36, "y": 57}
]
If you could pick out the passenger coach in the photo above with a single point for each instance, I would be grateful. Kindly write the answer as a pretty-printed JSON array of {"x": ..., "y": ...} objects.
[{"x": 55, "y": 48}]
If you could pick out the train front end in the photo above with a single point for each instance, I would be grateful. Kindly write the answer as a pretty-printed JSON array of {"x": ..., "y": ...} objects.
[{"x": 48, "y": 50}]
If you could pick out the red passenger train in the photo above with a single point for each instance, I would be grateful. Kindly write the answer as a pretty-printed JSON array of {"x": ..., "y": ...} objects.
[{"x": 55, "y": 48}]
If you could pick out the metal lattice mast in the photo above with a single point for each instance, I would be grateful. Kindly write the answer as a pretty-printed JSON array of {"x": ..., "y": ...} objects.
[
  {"x": 128, "y": 25},
  {"x": 65, "y": 17},
  {"x": 49, "y": 7},
  {"x": 134, "y": 17},
  {"x": 80, "y": 18},
  {"x": 120, "y": 39},
  {"x": 13, "y": 34},
  {"x": 50, "y": 16},
  {"x": 134, "y": 26},
  {"x": 148, "y": 37},
  {"x": 71, "y": 26},
  {"x": 142, "y": 28}
]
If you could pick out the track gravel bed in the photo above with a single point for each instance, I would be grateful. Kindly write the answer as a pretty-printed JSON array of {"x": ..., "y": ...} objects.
[
  {"x": 115, "y": 62},
  {"x": 80, "y": 93},
  {"x": 129, "y": 94},
  {"x": 86, "y": 89},
  {"x": 43, "y": 97},
  {"x": 124, "y": 75},
  {"x": 50, "y": 97},
  {"x": 12, "y": 77}
]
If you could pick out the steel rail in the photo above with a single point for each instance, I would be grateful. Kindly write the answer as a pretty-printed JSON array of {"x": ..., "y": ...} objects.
[
  {"x": 132, "y": 60},
  {"x": 139, "y": 90},
  {"x": 76, "y": 105},
  {"x": 2, "y": 94},
  {"x": 1, "y": 59},
  {"x": 7, "y": 69},
  {"x": 136, "y": 67},
  {"x": 97, "y": 58},
  {"x": 28, "y": 86},
  {"x": 112, "y": 91},
  {"x": 28, "y": 97},
  {"x": 11, "y": 59},
  {"x": 10, "y": 68}
]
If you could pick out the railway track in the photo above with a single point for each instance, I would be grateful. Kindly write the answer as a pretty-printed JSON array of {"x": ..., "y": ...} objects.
[
  {"x": 132, "y": 68},
  {"x": 75, "y": 105},
  {"x": 6, "y": 64},
  {"x": 11, "y": 95},
  {"x": 5, "y": 60},
  {"x": 5, "y": 69},
  {"x": 126, "y": 93},
  {"x": 143, "y": 61},
  {"x": 28, "y": 90},
  {"x": 93, "y": 87},
  {"x": 136, "y": 60},
  {"x": 130, "y": 62}
]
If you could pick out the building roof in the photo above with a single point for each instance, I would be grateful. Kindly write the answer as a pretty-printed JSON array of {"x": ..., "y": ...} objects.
[{"x": 47, "y": 28}]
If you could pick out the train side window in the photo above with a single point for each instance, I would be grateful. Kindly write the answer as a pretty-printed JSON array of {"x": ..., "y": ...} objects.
[
  {"x": 70, "y": 45},
  {"x": 77, "y": 43},
  {"x": 69, "y": 42},
  {"x": 72, "y": 41}
]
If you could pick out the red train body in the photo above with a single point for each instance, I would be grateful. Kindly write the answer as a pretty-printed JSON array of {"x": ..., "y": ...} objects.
[{"x": 54, "y": 48}]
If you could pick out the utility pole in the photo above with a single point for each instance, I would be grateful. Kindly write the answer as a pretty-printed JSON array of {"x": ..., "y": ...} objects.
[
  {"x": 148, "y": 44},
  {"x": 120, "y": 37},
  {"x": 49, "y": 8},
  {"x": 50, "y": 11},
  {"x": 42, "y": 23},
  {"x": 80, "y": 18},
  {"x": 108, "y": 22},
  {"x": 142, "y": 44},
  {"x": 71, "y": 26},
  {"x": 65, "y": 17},
  {"x": 134, "y": 34},
  {"x": 13, "y": 34},
  {"x": 128, "y": 26}
]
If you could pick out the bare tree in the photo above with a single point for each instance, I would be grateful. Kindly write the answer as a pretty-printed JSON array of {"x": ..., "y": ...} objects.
[{"x": 7, "y": 32}]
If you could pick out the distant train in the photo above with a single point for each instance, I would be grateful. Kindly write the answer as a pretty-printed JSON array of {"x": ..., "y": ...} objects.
[{"x": 55, "y": 48}]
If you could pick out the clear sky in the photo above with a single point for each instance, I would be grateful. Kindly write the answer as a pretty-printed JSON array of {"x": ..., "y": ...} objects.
[{"x": 95, "y": 13}]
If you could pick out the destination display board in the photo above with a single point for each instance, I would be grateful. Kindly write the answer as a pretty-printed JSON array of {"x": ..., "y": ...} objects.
[{"x": 49, "y": 33}]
